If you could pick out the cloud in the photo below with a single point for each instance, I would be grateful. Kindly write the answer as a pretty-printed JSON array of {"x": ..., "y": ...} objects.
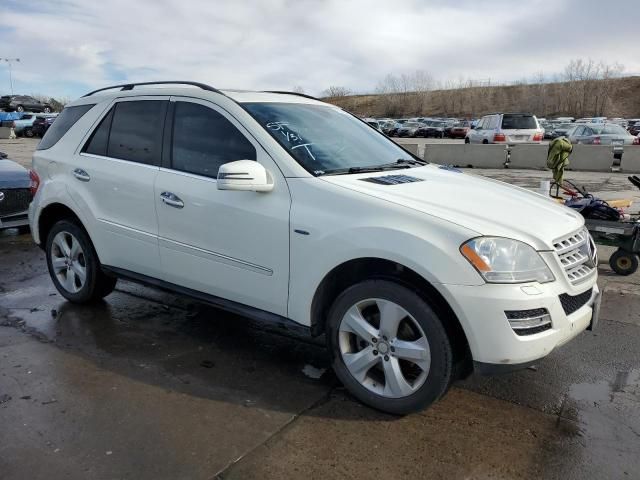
[{"x": 68, "y": 47}]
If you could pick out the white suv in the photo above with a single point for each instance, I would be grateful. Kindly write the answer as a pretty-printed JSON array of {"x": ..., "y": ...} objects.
[
  {"x": 510, "y": 128},
  {"x": 287, "y": 209}
]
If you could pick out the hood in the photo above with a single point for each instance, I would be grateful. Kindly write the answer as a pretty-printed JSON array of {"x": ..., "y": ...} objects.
[
  {"x": 13, "y": 175},
  {"x": 486, "y": 206}
]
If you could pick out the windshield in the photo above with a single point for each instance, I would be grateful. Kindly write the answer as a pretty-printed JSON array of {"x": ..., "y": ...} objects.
[{"x": 323, "y": 138}]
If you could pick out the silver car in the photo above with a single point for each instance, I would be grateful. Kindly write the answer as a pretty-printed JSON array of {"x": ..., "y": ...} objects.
[
  {"x": 506, "y": 128},
  {"x": 600, "y": 134}
]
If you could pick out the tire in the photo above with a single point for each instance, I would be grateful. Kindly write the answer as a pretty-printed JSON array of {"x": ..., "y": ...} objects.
[
  {"x": 28, "y": 132},
  {"x": 70, "y": 257},
  {"x": 46, "y": 109},
  {"x": 623, "y": 262},
  {"x": 385, "y": 380},
  {"x": 485, "y": 142},
  {"x": 20, "y": 108}
]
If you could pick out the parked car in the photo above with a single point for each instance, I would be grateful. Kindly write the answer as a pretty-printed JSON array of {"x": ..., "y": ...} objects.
[
  {"x": 388, "y": 126},
  {"x": 24, "y": 125},
  {"x": 23, "y": 103},
  {"x": 559, "y": 130},
  {"x": 41, "y": 124},
  {"x": 600, "y": 134},
  {"x": 17, "y": 187},
  {"x": 373, "y": 122},
  {"x": 288, "y": 210},
  {"x": 408, "y": 129},
  {"x": 460, "y": 130},
  {"x": 634, "y": 129},
  {"x": 506, "y": 128},
  {"x": 431, "y": 128}
]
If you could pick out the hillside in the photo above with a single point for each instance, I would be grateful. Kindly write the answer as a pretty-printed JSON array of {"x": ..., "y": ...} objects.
[{"x": 618, "y": 97}]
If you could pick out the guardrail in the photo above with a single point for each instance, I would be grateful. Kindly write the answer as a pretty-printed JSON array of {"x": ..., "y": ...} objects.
[{"x": 594, "y": 158}]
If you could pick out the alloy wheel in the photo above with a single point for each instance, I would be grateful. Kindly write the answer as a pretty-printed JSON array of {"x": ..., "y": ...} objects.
[
  {"x": 68, "y": 262},
  {"x": 384, "y": 348}
]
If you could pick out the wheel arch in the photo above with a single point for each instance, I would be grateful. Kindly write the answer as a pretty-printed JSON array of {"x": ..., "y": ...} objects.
[
  {"x": 356, "y": 270},
  {"x": 51, "y": 214}
]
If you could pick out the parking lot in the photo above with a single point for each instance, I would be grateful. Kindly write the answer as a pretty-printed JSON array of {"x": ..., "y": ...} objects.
[{"x": 146, "y": 385}]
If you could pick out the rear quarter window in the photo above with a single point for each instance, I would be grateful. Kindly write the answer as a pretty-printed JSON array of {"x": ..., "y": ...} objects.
[{"x": 67, "y": 118}]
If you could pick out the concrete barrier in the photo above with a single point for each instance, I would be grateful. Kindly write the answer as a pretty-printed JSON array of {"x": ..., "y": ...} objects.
[
  {"x": 529, "y": 157},
  {"x": 5, "y": 132},
  {"x": 591, "y": 158},
  {"x": 631, "y": 159},
  {"x": 412, "y": 147},
  {"x": 588, "y": 158},
  {"x": 464, "y": 155}
]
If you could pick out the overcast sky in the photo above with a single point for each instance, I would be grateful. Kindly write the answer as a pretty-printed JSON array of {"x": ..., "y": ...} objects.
[{"x": 67, "y": 47}]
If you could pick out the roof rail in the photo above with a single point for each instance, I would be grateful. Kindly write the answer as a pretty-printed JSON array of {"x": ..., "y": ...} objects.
[
  {"x": 129, "y": 86},
  {"x": 291, "y": 93}
]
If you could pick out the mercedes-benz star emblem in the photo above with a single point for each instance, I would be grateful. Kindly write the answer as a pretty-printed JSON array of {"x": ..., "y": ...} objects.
[{"x": 1, "y": 196}]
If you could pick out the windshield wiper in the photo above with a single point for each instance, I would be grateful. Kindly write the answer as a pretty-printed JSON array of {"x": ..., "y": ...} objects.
[{"x": 400, "y": 163}]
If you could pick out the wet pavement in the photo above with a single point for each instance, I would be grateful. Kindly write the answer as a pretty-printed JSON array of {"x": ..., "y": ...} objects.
[{"x": 147, "y": 385}]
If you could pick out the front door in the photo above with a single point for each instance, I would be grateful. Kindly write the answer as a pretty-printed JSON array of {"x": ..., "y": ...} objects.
[{"x": 233, "y": 245}]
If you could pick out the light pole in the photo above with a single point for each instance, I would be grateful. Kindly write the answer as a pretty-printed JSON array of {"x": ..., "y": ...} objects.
[{"x": 9, "y": 62}]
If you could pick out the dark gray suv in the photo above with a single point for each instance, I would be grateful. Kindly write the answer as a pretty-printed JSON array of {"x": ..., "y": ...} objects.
[{"x": 23, "y": 103}]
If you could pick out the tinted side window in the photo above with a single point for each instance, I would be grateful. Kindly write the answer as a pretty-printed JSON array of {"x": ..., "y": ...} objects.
[
  {"x": 203, "y": 140},
  {"x": 97, "y": 143},
  {"x": 136, "y": 131},
  {"x": 62, "y": 124}
]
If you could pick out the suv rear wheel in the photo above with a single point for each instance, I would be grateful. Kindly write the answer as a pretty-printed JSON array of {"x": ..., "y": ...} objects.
[
  {"x": 74, "y": 266},
  {"x": 389, "y": 347}
]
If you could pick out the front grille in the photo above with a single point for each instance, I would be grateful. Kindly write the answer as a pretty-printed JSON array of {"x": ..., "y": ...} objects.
[
  {"x": 15, "y": 200},
  {"x": 577, "y": 255},
  {"x": 571, "y": 304}
]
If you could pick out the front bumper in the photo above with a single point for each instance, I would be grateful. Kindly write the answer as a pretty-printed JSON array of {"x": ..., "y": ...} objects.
[{"x": 492, "y": 340}]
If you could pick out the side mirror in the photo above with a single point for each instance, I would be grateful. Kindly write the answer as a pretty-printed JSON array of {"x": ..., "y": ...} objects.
[{"x": 244, "y": 175}]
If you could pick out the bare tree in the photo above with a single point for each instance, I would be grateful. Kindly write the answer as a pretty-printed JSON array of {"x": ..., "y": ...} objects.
[
  {"x": 336, "y": 92},
  {"x": 297, "y": 89},
  {"x": 405, "y": 94}
]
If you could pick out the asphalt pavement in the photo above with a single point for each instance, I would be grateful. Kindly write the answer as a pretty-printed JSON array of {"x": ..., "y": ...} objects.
[{"x": 147, "y": 385}]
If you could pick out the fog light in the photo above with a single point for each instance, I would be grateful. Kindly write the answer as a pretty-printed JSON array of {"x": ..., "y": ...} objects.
[{"x": 529, "y": 322}]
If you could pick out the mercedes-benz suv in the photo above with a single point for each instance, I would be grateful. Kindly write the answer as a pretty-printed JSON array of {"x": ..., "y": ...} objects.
[{"x": 287, "y": 209}]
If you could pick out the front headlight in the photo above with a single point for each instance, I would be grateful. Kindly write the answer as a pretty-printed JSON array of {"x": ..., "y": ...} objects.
[{"x": 503, "y": 260}]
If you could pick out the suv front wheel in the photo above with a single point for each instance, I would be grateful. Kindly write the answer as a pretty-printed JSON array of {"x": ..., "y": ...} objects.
[
  {"x": 74, "y": 266},
  {"x": 389, "y": 347}
]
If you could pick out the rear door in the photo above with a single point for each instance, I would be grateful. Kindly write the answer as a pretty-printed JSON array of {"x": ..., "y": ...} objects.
[
  {"x": 233, "y": 245},
  {"x": 114, "y": 180}
]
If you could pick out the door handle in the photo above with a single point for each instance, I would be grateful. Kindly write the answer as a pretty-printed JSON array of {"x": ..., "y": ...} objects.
[
  {"x": 171, "y": 199},
  {"x": 81, "y": 175}
]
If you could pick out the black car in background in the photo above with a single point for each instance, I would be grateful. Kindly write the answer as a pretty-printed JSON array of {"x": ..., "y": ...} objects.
[
  {"x": 559, "y": 130},
  {"x": 17, "y": 187},
  {"x": 41, "y": 124},
  {"x": 23, "y": 103}
]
